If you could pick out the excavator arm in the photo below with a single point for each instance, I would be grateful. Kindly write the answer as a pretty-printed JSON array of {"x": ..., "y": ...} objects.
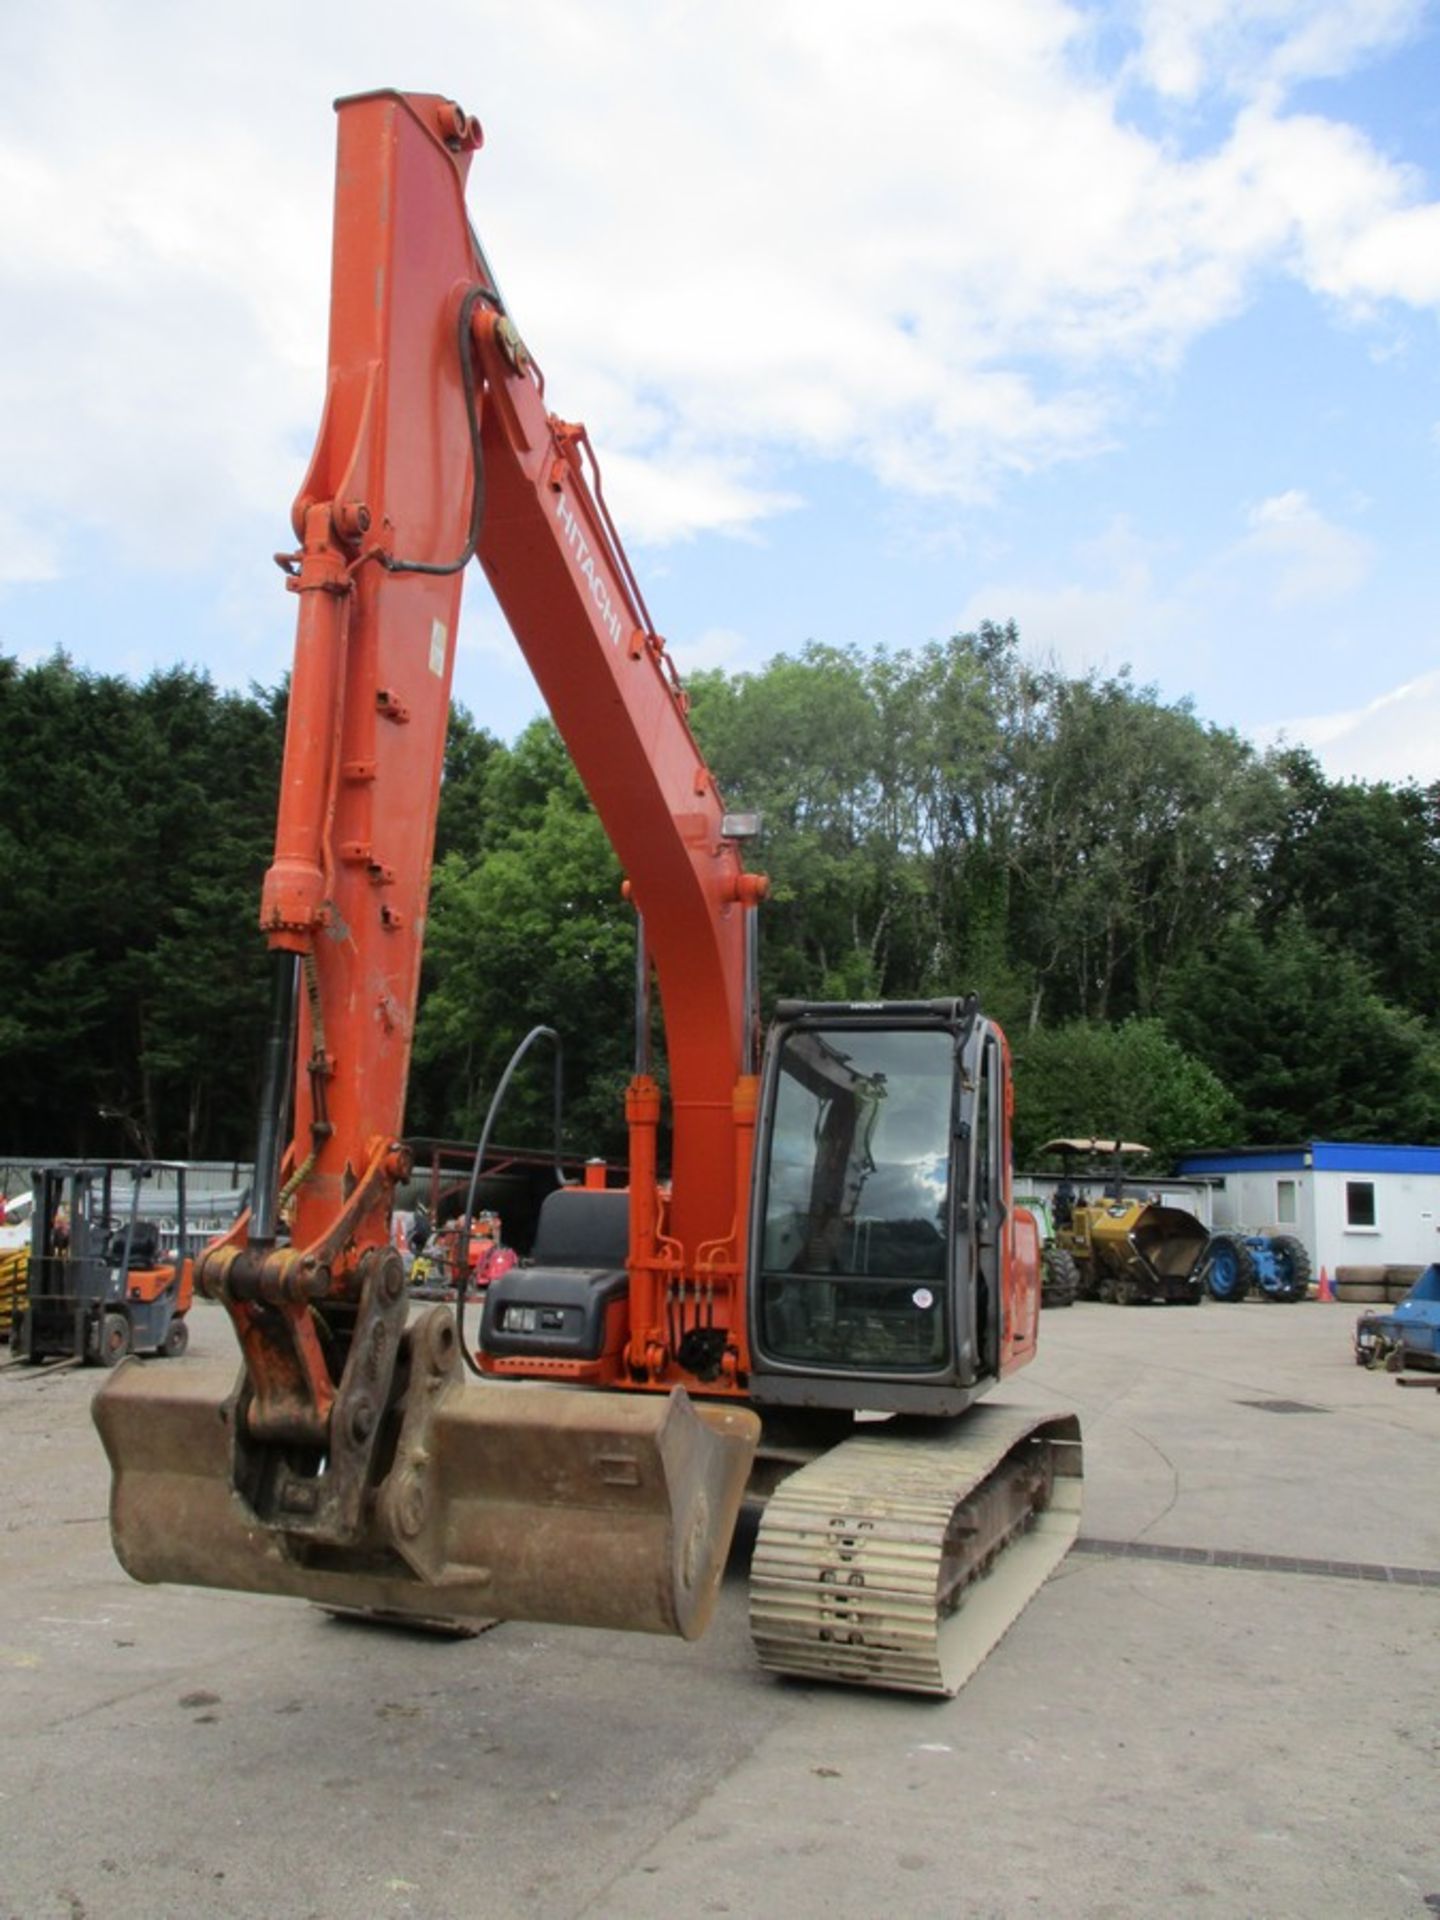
[{"x": 436, "y": 446}]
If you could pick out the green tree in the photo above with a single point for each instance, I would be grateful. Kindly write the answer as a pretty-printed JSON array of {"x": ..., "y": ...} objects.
[
  {"x": 135, "y": 830},
  {"x": 1132, "y": 1081},
  {"x": 799, "y": 743},
  {"x": 1361, "y": 863},
  {"x": 1139, "y": 829},
  {"x": 1299, "y": 1035},
  {"x": 886, "y": 782},
  {"x": 464, "y": 809},
  {"x": 531, "y": 932}
]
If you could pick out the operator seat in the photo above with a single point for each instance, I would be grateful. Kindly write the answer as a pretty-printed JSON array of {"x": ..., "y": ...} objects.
[{"x": 565, "y": 1301}]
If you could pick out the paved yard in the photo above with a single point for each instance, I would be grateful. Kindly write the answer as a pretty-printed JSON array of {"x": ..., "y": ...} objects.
[{"x": 1155, "y": 1737}]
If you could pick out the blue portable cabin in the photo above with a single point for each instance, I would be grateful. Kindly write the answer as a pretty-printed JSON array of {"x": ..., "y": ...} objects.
[{"x": 1351, "y": 1203}]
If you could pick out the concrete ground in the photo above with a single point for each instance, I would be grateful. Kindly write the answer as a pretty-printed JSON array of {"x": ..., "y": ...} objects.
[{"x": 1152, "y": 1737}]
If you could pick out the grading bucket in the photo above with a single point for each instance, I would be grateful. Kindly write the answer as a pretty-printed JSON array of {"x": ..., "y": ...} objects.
[{"x": 496, "y": 1501}]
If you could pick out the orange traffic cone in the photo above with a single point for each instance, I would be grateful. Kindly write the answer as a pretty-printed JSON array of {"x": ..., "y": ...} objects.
[{"x": 1325, "y": 1291}]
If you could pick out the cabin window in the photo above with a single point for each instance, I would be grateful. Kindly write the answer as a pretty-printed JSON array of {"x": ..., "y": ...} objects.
[
  {"x": 1360, "y": 1203},
  {"x": 1287, "y": 1203},
  {"x": 856, "y": 1211}
]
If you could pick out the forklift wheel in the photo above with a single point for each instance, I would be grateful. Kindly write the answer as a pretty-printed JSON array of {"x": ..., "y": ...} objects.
[
  {"x": 114, "y": 1341},
  {"x": 177, "y": 1338}
]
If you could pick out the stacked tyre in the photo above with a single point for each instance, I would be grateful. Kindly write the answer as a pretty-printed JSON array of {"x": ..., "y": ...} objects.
[
  {"x": 1399, "y": 1281},
  {"x": 1360, "y": 1286},
  {"x": 1375, "y": 1286}
]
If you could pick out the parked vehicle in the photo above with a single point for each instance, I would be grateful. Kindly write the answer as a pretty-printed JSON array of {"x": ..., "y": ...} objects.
[
  {"x": 1127, "y": 1248},
  {"x": 1059, "y": 1275},
  {"x": 814, "y": 1224},
  {"x": 1276, "y": 1266},
  {"x": 15, "y": 1212},
  {"x": 100, "y": 1284},
  {"x": 1408, "y": 1335}
]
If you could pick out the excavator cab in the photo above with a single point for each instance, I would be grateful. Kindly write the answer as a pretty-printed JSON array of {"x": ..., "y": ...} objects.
[{"x": 879, "y": 1220}]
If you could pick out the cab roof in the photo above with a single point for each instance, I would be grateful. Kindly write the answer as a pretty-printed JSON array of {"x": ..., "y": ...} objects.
[{"x": 1095, "y": 1147}]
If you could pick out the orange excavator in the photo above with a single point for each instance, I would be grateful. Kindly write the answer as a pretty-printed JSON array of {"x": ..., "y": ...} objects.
[{"x": 805, "y": 1306}]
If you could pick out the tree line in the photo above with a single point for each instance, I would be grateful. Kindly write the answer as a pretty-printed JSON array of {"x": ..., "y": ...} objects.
[{"x": 1187, "y": 941}]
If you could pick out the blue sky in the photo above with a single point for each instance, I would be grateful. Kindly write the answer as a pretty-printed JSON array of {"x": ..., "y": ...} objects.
[{"x": 1119, "y": 320}]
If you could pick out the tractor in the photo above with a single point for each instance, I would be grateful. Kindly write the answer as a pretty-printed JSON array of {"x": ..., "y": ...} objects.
[{"x": 1127, "y": 1248}]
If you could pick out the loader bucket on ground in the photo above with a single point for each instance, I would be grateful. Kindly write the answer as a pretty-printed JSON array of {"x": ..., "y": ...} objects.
[
  {"x": 1170, "y": 1241},
  {"x": 500, "y": 1502}
]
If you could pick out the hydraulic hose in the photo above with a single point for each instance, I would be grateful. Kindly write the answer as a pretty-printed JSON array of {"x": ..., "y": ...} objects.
[
  {"x": 274, "y": 1093},
  {"x": 462, "y": 1250},
  {"x": 472, "y": 417}
]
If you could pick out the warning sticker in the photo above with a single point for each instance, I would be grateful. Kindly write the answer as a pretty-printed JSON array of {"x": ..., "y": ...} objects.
[{"x": 438, "y": 638}]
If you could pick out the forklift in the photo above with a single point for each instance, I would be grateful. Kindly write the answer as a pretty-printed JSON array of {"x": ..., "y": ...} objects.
[{"x": 102, "y": 1281}]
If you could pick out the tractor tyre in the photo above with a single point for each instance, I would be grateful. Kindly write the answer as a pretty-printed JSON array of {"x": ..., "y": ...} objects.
[
  {"x": 1088, "y": 1283},
  {"x": 1229, "y": 1267},
  {"x": 1292, "y": 1261},
  {"x": 113, "y": 1342},
  {"x": 1059, "y": 1277},
  {"x": 177, "y": 1339}
]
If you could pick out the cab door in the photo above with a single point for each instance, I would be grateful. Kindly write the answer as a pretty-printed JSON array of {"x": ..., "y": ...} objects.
[{"x": 988, "y": 1198}]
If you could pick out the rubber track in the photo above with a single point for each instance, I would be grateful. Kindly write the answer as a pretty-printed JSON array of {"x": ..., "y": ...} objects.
[{"x": 845, "y": 1575}]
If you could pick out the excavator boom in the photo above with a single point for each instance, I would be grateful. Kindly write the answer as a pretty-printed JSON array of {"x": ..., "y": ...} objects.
[{"x": 349, "y": 1460}]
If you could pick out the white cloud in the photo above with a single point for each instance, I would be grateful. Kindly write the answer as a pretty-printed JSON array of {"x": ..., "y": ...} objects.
[
  {"x": 714, "y": 647},
  {"x": 1187, "y": 46},
  {"x": 923, "y": 240},
  {"x": 1395, "y": 256},
  {"x": 26, "y": 554},
  {"x": 676, "y": 495},
  {"x": 1395, "y": 737},
  {"x": 1111, "y": 613},
  {"x": 1302, "y": 554},
  {"x": 1124, "y": 601}
]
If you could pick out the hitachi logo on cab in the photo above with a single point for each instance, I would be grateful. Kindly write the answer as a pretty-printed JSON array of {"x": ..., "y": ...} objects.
[{"x": 580, "y": 547}]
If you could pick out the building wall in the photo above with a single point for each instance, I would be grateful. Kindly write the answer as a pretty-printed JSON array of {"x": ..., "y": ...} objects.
[
  {"x": 1253, "y": 1202},
  {"x": 1406, "y": 1208}
]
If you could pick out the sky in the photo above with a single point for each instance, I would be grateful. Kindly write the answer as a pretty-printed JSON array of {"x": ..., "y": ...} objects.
[{"x": 1116, "y": 320}]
